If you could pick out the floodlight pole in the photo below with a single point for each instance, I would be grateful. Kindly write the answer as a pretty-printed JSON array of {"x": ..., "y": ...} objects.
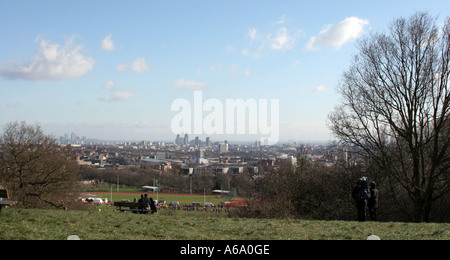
[
  {"x": 117, "y": 182},
  {"x": 190, "y": 182}
]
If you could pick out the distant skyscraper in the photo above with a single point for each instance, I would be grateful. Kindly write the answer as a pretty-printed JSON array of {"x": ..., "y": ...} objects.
[
  {"x": 197, "y": 141},
  {"x": 223, "y": 148},
  {"x": 200, "y": 153},
  {"x": 180, "y": 140},
  {"x": 186, "y": 139}
]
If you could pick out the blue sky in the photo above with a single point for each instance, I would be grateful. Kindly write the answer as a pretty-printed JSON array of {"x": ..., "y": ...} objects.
[{"x": 111, "y": 69}]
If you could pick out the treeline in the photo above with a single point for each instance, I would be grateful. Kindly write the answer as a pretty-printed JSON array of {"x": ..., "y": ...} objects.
[
  {"x": 305, "y": 191},
  {"x": 312, "y": 191}
]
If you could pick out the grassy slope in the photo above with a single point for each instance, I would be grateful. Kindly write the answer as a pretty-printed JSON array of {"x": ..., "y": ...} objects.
[{"x": 108, "y": 225}]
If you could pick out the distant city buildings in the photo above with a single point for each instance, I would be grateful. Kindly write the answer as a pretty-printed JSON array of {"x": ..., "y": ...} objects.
[
  {"x": 196, "y": 142},
  {"x": 180, "y": 140},
  {"x": 74, "y": 139},
  {"x": 198, "y": 156}
]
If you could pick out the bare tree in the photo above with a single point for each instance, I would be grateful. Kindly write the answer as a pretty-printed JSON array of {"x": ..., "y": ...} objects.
[
  {"x": 395, "y": 107},
  {"x": 35, "y": 170}
]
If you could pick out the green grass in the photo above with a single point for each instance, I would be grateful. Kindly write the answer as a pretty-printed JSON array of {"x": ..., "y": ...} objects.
[{"x": 27, "y": 224}]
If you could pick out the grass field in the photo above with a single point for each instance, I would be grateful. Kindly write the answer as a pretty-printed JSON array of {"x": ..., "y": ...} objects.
[
  {"x": 28, "y": 224},
  {"x": 184, "y": 199}
]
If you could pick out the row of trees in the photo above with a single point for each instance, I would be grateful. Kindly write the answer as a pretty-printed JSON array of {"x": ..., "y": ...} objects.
[{"x": 311, "y": 191}]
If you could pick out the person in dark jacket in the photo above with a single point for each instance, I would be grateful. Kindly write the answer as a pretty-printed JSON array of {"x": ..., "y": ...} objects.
[
  {"x": 141, "y": 200},
  {"x": 153, "y": 208},
  {"x": 361, "y": 201},
  {"x": 373, "y": 201}
]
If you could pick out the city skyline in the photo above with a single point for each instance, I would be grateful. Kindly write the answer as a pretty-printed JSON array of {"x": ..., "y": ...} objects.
[{"x": 110, "y": 70}]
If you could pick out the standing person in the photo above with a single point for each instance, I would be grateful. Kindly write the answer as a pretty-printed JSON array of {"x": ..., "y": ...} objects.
[
  {"x": 361, "y": 194},
  {"x": 373, "y": 201}
]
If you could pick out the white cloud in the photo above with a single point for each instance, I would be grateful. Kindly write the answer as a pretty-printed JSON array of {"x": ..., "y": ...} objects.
[
  {"x": 349, "y": 29},
  {"x": 283, "y": 41},
  {"x": 278, "y": 38},
  {"x": 108, "y": 44},
  {"x": 252, "y": 33},
  {"x": 52, "y": 62},
  {"x": 194, "y": 85},
  {"x": 319, "y": 89},
  {"x": 310, "y": 44},
  {"x": 109, "y": 85},
  {"x": 117, "y": 96},
  {"x": 139, "y": 65}
]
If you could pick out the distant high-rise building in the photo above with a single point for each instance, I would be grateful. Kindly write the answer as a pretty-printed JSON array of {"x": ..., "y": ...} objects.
[
  {"x": 200, "y": 156},
  {"x": 186, "y": 139},
  {"x": 180, "y": 140},
  {"x": 200, "y": 153},
  {"x": 197, "y": 141},
  {"x": 223, "y": 148},
  {"x": 208, "y": 141}
]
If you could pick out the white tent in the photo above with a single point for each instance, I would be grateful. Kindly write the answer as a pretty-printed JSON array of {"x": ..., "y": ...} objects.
[
  {"x": 150, "y": 188},
  {"x": 221, "y": 191}
]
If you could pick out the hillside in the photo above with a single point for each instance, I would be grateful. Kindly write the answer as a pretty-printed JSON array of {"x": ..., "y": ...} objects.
[{"x": 106, "y": 225}]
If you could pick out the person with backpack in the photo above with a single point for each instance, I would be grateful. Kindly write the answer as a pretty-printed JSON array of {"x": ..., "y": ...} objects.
[{"x": 361, "y": 194}]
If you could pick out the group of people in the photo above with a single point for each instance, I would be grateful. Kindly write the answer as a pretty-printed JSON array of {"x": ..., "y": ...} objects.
[
  {"x": 366, "y": 195},
  {"x": 149, "y": 201}
]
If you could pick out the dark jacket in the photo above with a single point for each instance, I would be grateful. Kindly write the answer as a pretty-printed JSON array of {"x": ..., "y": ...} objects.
[{"x": 374, "y": 194}]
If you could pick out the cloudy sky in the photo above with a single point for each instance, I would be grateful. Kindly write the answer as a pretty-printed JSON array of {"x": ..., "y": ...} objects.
[{"x": 112, "y": 69}]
